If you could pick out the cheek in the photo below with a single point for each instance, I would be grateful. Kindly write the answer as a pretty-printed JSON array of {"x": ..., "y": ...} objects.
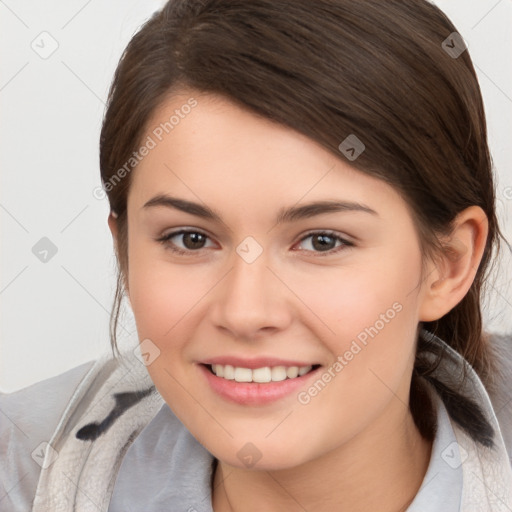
[
  {"x": 372, "y": 350},
  {"x": 161, "y": 294},
  {"x": 164, "y": 300},
  {"x": 367, "y": 317},
  {"x": 348, "y": 299}
]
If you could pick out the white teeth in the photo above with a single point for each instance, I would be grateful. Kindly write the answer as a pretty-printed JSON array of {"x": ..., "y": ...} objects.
[
  {"x": 303, "y": 370},
  {"x": 243, "y": 375},
  {"x": 229, "y": 372},
  {"x": 292, "y": 372},
  {"x": 278, "y": 373},
  {"x": 262, "y": 375}
]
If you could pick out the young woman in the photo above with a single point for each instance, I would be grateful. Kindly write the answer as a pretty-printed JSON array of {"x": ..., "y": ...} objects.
[{"x": 303, "y": 211}]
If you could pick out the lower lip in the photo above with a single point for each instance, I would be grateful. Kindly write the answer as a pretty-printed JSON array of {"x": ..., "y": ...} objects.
[{"x": 254, "y": 393}]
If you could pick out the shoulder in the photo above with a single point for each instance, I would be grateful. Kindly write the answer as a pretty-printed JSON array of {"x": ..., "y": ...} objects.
[
  {"x": 499, "y": 385},
  {"x": 28, "y": 419}
]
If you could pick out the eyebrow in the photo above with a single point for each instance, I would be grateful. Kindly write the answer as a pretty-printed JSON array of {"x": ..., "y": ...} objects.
[{"x": 291, "y": 214}]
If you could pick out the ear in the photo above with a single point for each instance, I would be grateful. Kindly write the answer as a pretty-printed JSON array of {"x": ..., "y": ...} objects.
[
  {"x": 449, "y": 279},
  {"x": 112, "y": 224}
]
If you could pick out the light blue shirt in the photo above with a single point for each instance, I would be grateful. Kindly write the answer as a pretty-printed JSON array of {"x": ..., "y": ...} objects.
[
  {"x": 179, "y": 474},
  {"x": 441, "y": 488}
]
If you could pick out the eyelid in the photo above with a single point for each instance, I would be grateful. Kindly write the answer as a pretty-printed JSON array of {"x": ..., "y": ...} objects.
[{"x": 329, "y": 232}]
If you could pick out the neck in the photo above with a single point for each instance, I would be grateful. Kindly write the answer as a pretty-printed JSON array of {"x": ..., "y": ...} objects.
[{"x": 380, "y": 469}]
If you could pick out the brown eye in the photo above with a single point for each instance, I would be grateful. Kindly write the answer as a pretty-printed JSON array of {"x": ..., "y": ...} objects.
[
  {"x": 193, "y": 240},
  {"x": 184, "y": 241},
  {"x": 324, "y": 242}
]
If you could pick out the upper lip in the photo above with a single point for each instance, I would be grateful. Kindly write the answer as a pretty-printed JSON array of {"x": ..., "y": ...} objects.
[{"x": 257, "y": 362}]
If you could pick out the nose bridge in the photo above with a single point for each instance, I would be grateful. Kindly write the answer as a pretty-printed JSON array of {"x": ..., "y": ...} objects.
[{"x": 248, "y": 280}]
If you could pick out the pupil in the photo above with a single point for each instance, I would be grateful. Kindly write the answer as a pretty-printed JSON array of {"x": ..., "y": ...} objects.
[{"x": 326, "y": 242}]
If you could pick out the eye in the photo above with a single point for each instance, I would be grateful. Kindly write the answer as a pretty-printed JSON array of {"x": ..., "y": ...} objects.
[
  {"x": 324, "y": 242},
  {"x": 190, "y": 241}
]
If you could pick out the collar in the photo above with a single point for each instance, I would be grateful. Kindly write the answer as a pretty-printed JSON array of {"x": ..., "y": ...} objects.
[{"x": 486, "y": 471}]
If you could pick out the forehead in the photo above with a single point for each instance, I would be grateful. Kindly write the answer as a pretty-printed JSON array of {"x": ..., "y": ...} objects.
[{"x": 206, "y": 147}]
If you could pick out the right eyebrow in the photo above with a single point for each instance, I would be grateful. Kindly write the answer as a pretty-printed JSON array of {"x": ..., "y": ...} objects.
[{"x": 185, "y": 206}]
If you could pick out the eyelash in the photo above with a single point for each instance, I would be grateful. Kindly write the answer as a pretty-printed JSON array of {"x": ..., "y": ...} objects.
[{"x": 165, "y": 240}]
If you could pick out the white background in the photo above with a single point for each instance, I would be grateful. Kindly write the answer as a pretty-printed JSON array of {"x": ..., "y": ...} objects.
[{"x": 54, "y": 315}]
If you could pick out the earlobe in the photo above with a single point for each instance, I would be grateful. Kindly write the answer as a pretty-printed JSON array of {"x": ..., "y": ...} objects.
[{"x": 453, "y": 274}]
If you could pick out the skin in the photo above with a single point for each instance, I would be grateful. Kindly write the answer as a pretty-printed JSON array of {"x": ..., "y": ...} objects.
[{"x": 354, "y": 446}]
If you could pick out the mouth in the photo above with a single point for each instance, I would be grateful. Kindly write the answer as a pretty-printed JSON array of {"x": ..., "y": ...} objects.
[
  {"x": 255, "y": 386},
  {"x": 258, "y": 381},
  {"x": 262, "y": 375}
]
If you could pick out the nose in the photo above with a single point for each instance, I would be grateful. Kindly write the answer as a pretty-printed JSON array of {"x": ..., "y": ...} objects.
[{"x": 251, "y": 301}]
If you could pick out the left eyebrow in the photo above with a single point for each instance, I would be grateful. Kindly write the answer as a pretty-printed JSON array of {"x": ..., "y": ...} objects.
[
  {"x": 290, "y": 214},
  {"x": 320, "y": 207}
]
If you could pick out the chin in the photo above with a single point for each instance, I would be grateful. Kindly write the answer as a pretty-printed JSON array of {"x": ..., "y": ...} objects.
[{"x": 254, "y": 457}]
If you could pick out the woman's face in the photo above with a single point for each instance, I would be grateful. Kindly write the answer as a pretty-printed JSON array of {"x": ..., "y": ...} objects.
[{"x": 266, "y": 279}]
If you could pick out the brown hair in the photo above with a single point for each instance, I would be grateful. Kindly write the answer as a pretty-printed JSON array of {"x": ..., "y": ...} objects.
[{"x": 328, "y": 69}]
